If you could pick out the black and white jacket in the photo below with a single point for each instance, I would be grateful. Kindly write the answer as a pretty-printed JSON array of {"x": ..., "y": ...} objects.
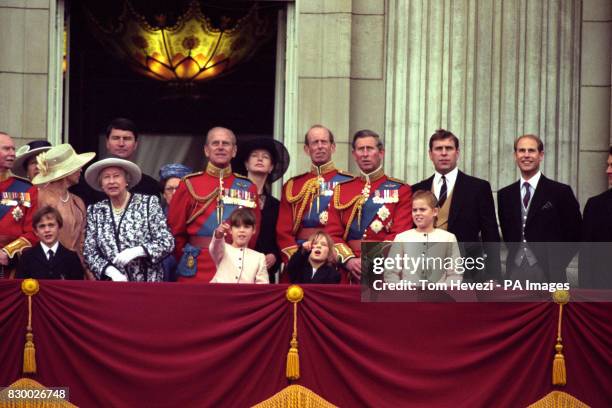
[{"x": 142, "y": 224}]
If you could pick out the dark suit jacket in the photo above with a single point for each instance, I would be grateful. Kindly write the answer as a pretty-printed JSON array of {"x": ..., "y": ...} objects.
[
  {"x": 300, "y": 270},
  {"x": 34, "y": 264},
  {"x": 472, "y": 220},
  {"x": 595, "y": 269},
  {"x": 554, "y": 216}
]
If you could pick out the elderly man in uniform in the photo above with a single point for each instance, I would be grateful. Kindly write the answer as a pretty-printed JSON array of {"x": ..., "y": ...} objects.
[
  {"x": 18, "y": 203},
  {"x": 305, "y": 198},
  {"x": 203, "y": 201},
  {"x": 372, "y": 207}
]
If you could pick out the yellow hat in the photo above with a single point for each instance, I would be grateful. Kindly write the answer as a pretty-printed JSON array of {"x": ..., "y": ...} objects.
[{"x": 58, "y": 162}]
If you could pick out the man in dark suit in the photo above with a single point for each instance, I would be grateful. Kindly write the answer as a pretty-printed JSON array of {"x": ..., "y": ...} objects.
[
  {"x": 49, "y": 259},
  {"x": 121, "y": 142},
  {"x": 594, "y": 261},
  {"x": 466, "y": 205},
  {"x": 539, "y": 218}
]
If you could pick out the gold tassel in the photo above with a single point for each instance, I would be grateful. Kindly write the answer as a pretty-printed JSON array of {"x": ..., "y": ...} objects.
[
  {"x": 294, "y": 294},
  {"x": 29, "y": 287},
  {"x": 293, "y": 361},
  {"x": 29, "y": 355},
  {"x": 559, "y": 373}
]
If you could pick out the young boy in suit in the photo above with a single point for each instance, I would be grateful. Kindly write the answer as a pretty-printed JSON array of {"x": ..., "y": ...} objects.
[{"x": 49, "y": 259}]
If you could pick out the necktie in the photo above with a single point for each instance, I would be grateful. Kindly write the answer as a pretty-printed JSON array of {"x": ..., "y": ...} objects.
[
  {"x": 443, "y": 190},
  {"x": 50, "y": 255},
  {"x": 527, "y": 195}
]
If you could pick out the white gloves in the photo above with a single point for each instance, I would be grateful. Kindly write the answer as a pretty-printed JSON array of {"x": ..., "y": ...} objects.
[
  {"x": 127, "y": 255},
  {"x": 114, "y": 274}
]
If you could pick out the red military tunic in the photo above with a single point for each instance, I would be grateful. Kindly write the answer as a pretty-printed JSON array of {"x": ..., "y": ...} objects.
[
  {"x": 303, "y": 207},
  {"x": 372, "y": 207},
  {"x": 17, "y": 205},
  {"x": 202, "y": 201}
]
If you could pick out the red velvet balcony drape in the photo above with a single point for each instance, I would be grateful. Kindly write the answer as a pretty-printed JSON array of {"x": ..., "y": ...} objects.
[{"x": 170, "y": 345}]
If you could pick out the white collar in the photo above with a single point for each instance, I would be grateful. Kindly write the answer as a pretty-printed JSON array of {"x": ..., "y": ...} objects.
[
  {"x": 451, "y": 176},
  {"x": 53, "y": 248},
  {"x": 533, "y": 181}
]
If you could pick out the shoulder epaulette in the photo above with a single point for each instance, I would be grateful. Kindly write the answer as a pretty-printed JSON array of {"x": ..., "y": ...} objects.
[
  {"x": 192, "y": 175},
  {"x": 346, "y": 173},
  {"x": 22, "y": 179},
  {"x": 395, "y": 180},
  {"x": 242, "y": 176},
  {"x": 347, "y": 181}
]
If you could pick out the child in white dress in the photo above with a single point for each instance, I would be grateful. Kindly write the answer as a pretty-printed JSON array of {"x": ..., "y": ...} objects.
[
  {"x": 431, "y": 245},
  {"x": 236, "y": 263}
]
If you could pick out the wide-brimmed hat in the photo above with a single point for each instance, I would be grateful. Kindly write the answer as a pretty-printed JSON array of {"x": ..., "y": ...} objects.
[
  {"x": 58, "y": 162},
  {"x": 177, "y": 170},
  {"x": 92, "y": 174},
  {"x": 25, "y": 152},
  {"x": 246, "y": 144}
]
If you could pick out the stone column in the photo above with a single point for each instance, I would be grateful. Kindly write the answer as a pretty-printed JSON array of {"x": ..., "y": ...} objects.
[
  {"x": 321, "y": 52},
  {"x": 595, "y": 102},
  {"x": 488, "y": 70},
  {"x": 24, "y": 67}
]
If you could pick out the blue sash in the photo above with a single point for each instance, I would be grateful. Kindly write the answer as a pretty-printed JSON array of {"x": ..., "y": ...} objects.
[
  {"x": 311, "y": 218},
  {"x": 211, "y": 223},
  {"x": 17, "y": 186},
  {"x": 369, "y": 210}
]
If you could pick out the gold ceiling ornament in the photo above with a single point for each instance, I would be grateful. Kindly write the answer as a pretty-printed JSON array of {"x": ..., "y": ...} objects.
[{"x": 192, "y": 50}]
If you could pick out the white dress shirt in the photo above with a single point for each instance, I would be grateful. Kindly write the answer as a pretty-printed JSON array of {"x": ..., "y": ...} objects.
[
  {"x": 533, "y": 184},
  {"x": 451, "y": 178},
  {"x": 52, "y": 248}
]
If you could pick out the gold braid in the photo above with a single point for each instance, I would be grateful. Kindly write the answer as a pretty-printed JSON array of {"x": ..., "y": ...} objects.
[
  {"x": 205, "y": 201},
  {"x": 309, "y": 191},
  {"x": 358, "y": 202}
]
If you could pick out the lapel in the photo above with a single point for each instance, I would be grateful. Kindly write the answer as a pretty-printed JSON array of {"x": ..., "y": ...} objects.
[
  {"x": 456, "y": 202},
  {"x": 59, "y": 255},
  {"x": 538, "y": 199},
  {"x": 40, "y": 255},
  {"x": 427, "y": 183}
]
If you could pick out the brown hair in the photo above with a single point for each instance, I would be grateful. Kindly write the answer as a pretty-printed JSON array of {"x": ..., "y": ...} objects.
[
  {"x": 46, "y": 211},
  {"x": 427, "y": 196},
  {"x": 610, "y": 152},
  {"x": 532, "y": 137},
  {"x": 367, "y": 133},
  {"x": 443, "y": 134},
  {"x": 317, "y": 126},
  {"x": 242, "y": 216},
  {"x": 331, "y": 256}
]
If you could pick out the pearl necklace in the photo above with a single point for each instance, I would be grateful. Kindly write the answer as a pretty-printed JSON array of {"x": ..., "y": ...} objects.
[
  {"x": 66, "y": 199},
  {"x": 119, "y": 210}
]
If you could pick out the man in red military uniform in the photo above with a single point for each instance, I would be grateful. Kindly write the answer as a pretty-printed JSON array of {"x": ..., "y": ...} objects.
[
  {"x": 305, "y": 198},
  {"x": 203, "y": 201},
  {"x": 17, "y": 205},
  {"x": 372, "y": 207}
]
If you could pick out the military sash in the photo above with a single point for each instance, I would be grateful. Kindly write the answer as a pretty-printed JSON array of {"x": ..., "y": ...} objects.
[
  {"x": 387, "y": 193},
  {"x": 315, "y": 217},
  {"x": 238, "y": 195},
  {"x": 15, "y": 194}
]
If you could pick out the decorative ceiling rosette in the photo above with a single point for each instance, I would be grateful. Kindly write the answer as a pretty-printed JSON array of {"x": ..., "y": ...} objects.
[{"x": 191, "y": 50}]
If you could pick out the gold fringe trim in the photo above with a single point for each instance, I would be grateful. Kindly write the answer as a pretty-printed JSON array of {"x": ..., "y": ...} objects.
[
  {"x": 558, "y": 399},
  {"x": 295, "y": 396},
  {"x": 29, "y": 384}
]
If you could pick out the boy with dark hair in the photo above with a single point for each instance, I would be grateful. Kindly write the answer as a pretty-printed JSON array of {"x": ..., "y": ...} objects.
[
  {"x": 236, "y": 263},
  {"x": 49, "y": 259}
]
